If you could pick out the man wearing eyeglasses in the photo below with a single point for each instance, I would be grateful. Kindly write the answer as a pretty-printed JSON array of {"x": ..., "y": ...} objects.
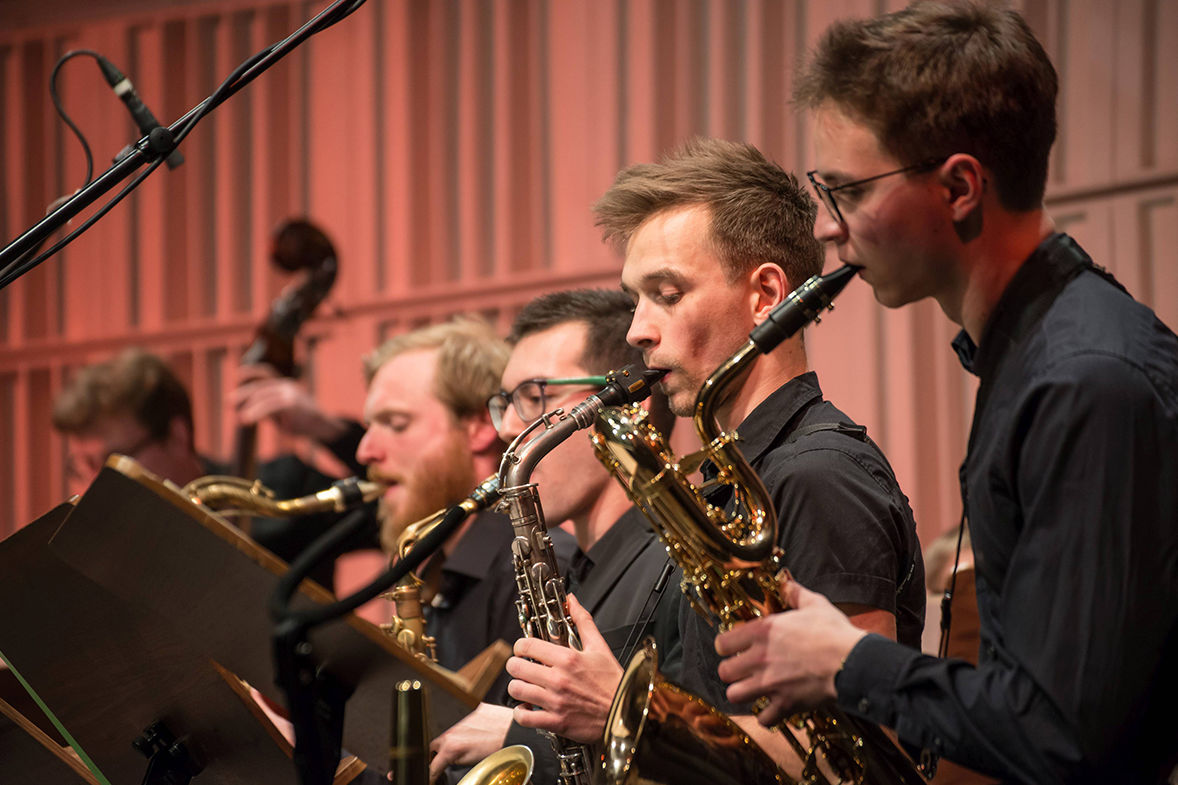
[
  {"x": 1068, "y": 484},
  {"x": 621, "y": 586},
  {"x": 135, "y": 405}
]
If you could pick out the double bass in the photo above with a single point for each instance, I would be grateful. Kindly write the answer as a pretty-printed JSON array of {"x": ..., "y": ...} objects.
[{"x": 298, "y": 247}]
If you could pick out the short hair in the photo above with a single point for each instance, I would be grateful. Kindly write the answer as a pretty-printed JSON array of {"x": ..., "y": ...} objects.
[
  {"x": 943, "y": 78},
  {"x": 759, "y": 213},
  {"x": 134, "y": 382},
  {"x": 606, "y": 314},
  {"x": 470, "y": 361}
]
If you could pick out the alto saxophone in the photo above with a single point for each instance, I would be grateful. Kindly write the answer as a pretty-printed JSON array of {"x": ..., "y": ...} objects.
[
  {"x": 730, "y": 562},
  {"x": 408, "y": 624},
  {"x": 541, "y": 604}
]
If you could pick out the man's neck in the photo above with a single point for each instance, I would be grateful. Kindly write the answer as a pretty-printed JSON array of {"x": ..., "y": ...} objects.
[
  {"x": 989, "y": 263},
  {"x": 600, "y": 518},
  {"x": 768, "y": 373}
]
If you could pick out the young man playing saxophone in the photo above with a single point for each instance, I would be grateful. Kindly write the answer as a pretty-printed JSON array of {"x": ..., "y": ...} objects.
[
  {"x": 429, "y": 436},
  {"x": 714, "y": 236},
  {"x": 559, "y": 341},
  {"x": 932, "y": 135}
]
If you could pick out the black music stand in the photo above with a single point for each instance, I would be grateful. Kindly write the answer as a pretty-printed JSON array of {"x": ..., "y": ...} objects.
[
  {"x": 107, "y": 669},
  {"x": 140, "y": 539}
]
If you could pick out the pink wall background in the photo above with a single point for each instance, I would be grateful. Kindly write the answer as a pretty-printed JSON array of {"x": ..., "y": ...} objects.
[{"x": 452, "y": 150}]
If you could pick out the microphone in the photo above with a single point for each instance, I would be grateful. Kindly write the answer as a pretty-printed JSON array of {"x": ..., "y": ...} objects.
[{"x": 159, "y": 137}]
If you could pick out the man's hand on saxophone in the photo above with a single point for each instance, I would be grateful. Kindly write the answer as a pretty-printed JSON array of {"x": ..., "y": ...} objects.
[
  {"x": 790, "y": 658},
  {"x": 471, "y": 739},
  {"x": 565, "y": 691}
]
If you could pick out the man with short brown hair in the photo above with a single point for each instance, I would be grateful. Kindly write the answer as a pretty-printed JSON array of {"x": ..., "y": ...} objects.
[
  {"x": 932, "y": 132},
  {"x": 715, "y": 236}
]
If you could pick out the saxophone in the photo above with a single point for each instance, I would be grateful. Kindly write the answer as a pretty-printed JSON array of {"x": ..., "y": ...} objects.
[
  {"x": 541, "y": 601},
  {"x": 408, "y": 624},
  {"x": 238, "y": 496},
  {"x": 730, "y": 562}
]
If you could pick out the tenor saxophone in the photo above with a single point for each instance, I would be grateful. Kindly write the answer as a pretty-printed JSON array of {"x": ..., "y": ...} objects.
[
  {"x": 540, "y": 603},
  {"x": 730, "y": 562},
  {"x": 408, "y": 624}
]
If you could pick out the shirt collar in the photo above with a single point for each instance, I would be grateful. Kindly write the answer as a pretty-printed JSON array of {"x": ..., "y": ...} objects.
[
  {"x": 488, "y": 533},
  {"x": 761, "y": 429},
  {"x": 1026, "y": 298}
]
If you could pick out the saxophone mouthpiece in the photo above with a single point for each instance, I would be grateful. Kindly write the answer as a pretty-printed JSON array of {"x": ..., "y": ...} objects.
[{"x": 631, "y": 384}]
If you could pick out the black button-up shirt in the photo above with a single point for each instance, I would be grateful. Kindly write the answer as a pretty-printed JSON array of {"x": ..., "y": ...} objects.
[
  {"x": 844, "y": 525},
  {"x": 616, "y": 582},
  {"x": 1070, "y": 486},
  {"x": 475, "y": 604}
]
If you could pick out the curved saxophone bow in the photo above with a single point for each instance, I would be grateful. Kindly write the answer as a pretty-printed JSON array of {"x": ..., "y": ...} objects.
[
  {"x": 731, "y": 565},
  {"x": 408, "y": 624}
]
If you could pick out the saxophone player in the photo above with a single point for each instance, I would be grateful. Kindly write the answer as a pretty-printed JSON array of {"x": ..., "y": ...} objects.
[
  {"x": 429, "y": 436},
  {"x": 714, "y": 236},
  {"x": 933, "y": 128},
  {"x": 561, "y": 345}
]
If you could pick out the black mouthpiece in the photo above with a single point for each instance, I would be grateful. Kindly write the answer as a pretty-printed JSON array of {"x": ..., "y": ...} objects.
[
  {"x": 803, "y": 305},
  {"x": 631, "y": 384}
]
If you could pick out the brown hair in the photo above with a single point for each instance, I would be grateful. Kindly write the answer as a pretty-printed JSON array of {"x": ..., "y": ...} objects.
[
  {"x": 470, "y": 361},
  {"x": 134, "y": 382},
  {"x": 759, "y": 213},
  {"x": 606, "y": 314},
  {"x": 943, "y": 78}
]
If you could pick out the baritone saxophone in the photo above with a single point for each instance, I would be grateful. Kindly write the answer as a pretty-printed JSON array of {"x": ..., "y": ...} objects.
[{"x": 730, "y": 562}]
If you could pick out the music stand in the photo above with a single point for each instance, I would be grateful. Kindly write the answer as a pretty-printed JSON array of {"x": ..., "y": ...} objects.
[
  {"x": 145, "y": 542},
  {"x": 107, "y": 669}
]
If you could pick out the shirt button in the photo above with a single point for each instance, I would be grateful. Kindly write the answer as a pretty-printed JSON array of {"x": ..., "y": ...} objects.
[{"x": 864, "y": 705}]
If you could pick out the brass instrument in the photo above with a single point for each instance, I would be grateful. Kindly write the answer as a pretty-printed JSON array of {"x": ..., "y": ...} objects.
[
  {"x": 237, "y": 496},
  {"x": 408, "y": 624},
  {"x": 541, "y": 604},
  {"x": 731, "y": 565},
  {"x": 683, "y": 739}
]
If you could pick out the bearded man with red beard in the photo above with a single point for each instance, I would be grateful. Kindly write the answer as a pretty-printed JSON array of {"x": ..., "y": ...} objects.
[{"x": 430, "y": 437}]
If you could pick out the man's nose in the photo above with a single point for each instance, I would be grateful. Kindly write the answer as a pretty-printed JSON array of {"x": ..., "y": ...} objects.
[
  {"x": 828, "y": 229},
  {"x": 642, "y": 333},
  {"x": 366, "y": 451}
]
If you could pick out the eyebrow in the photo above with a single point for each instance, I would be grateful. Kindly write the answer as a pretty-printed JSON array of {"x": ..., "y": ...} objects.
[{"x": 655, "y": 276}]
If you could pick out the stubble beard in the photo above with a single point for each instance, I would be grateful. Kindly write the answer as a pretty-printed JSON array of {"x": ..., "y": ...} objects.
[{"x": 438, "y": 482}]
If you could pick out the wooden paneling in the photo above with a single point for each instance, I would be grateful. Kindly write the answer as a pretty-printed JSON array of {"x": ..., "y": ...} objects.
[{"x": 452, "y": 149}]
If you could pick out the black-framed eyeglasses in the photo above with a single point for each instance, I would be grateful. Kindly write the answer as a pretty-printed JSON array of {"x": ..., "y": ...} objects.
[
  {"x": 530, "y": 399},
  {"x": 826, "y": 193}
]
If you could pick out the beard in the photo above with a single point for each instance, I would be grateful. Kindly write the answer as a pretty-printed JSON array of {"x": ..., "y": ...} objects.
[{"x": 438, "y": 481}]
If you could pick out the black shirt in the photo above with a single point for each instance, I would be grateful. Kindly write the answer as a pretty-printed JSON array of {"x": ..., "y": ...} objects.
[
  {"x": 844, "y": 525},
  {"x": 289, "y": 477},
  {"x": 616, "y": 582},
  {"x": 475, "y": 603},
  {"x": 1070, "y": 486}
]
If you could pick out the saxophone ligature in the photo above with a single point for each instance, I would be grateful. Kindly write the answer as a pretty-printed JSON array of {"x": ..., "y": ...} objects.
[
  {"x": 541, "y": 604},
  {"x": 730, "y": 561}
]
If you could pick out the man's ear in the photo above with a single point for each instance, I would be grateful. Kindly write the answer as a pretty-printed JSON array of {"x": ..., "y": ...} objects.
[
  {"x": 180, "y": 435},
  {"x": 964, "y": 179},
  {"x": 768, "y": 286},
  {"x": 481, "y": 435}
]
